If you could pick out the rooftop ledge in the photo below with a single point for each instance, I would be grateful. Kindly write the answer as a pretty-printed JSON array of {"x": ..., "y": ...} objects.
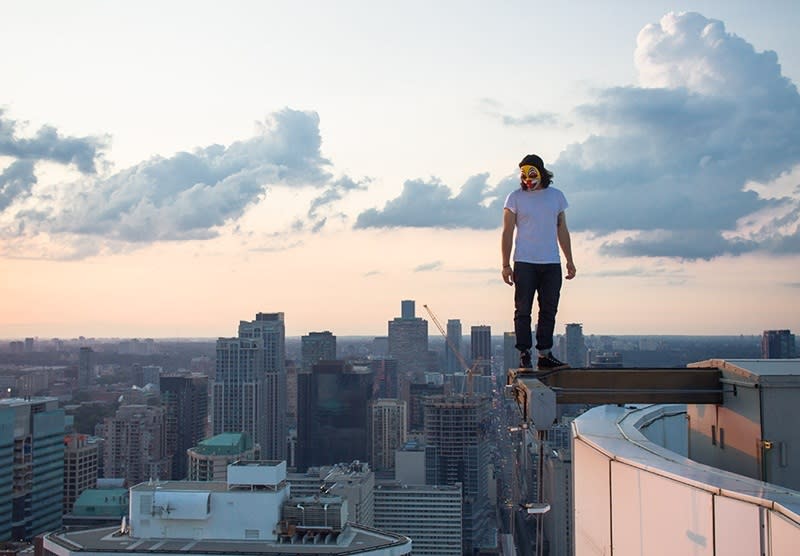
[{"x": 615, "y": 432}]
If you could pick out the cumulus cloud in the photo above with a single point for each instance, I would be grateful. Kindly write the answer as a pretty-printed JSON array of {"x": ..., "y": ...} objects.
[
  {"x": 186, "y": 196},
  {"x": 672, "y": 161},
  {"x": 48, "y": 144},
  {"x": 673, "y": 157},
  {"x": 431, "y": 204},
  {"x": 16, "y": 181}
]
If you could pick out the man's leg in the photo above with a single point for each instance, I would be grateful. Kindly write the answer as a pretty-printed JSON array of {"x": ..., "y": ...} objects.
[
  {"x": 549, "y": 290},
  {"x": 524, "y": 288}
]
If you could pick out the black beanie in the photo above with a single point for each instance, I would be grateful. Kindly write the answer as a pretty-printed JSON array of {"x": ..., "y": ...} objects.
[{"x": 532, "y": 160}]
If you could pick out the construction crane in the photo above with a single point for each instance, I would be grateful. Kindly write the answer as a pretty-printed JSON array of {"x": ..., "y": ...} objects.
[{"x": 469, "y": 371}]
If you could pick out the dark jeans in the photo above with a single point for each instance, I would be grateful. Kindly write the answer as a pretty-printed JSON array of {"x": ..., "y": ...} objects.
[{"x": 544, "y": 280}]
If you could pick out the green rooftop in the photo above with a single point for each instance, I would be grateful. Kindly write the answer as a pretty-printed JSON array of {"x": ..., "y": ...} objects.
[
  {"x": 105, "y": 502},
  {"x": 225, "y": 444}
]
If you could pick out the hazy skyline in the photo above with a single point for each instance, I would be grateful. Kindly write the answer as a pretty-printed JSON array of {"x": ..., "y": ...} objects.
[{"x": 169, "y": 170}]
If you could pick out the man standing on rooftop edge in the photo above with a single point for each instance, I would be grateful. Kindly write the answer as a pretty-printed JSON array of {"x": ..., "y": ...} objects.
[{"x": 536, "y": 211}]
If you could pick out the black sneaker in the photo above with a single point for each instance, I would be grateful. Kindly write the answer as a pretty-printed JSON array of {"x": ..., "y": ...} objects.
[
  {"x": 525, "y": 360},
  {"x": 550, "y": 363}
]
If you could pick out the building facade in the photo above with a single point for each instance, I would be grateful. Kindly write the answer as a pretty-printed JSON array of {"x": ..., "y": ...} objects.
[
  {"x": 408, "y": 345},
  {"x": 429, "y": 515},
  {"x": 778, "y": 344},
  {"x": 454, "y": 340},
  {"x": 333, "y": 414},
  {"x": 36, "y": 472},
  {"x": 575, "y": 346},
  {"x": 81, "y": 455},
  {"x": 457, "y": 429},
  {"x": 316, "y": 347},
  {"x": 481, "y": 349},
  {"x": 249, "y": 391},
  {"x": 388, "y": 426},
  {"x": 135, "y": 446},
  {"x": 184, "y": 397}
]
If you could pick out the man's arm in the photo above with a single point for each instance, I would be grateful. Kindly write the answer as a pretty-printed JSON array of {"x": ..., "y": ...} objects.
[
  {"x": 566, "y": 244},
  {"x": 507, "y": 239}
]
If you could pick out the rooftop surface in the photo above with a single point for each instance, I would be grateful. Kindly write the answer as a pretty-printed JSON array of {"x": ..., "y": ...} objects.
[
  {"x": 108, "y": 539},
  {"x": 755, "y": 368}
]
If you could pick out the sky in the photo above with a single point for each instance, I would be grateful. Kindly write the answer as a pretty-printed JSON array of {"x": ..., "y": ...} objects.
[{"x": 168, "y": 169}]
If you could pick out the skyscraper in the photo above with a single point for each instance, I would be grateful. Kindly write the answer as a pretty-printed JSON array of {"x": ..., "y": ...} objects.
[
  {"x": 408, "y": 344},
  {"x": 457, "y": 427},
  {"x": 510, "y": 353},
  {"x": 576, "y": 347},
  {"x": 184, "y": 397},
  {"x": 481, "y": 349},
  {"x": 388, "y": 426},
  {"x": 316, "y": 347},
  {"x": 332, "y": 414},
  {"x": 135, "y": 448},
  {"x": 6, "y": 471},
  {"x": 454, "y": 336},
  {"x": 778, "y": 344},
  {"x": 85, "y": 367},
  {"x": 36, "y": 472},
  {"x": 249, "y": 393},
  {"x": 80, "y": 467}
]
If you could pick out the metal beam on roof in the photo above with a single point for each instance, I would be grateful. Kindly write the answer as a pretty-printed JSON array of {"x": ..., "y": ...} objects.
[{"x": 534, "y": 388}]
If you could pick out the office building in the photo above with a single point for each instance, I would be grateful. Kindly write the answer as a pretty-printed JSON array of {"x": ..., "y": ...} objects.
[
  {"x": 778, "y": 344},
  {"x": 388, "y": 426},
  {"x": 605, "y": 360},
  {"x": 316, "y": 347},
  {"x": 333, "y": 414},
  {"x": 408, "y": 345},
  {"x": 384, "y": 373},
  {"x": 7, "y": 415},
  {"x": 510, "y": 352},
  {"x": 353, "y": 482},
  {"x": 457, "y": 427},
  {"x": 81, "y": 455},
  {"x": 135, "y": 446},
  {"x": 409, "y": 463},
  {"x": 249, "y": 390},
  {"x": 184, "y": 397},
  {"x": 86, "y": 362},
  {"x": 209, "y": 460},
  {"x": 35, "y": 473},
  {"x": 429, "y": 515},
  {"x": 481, "y": 349},
  {"x": 575, "y": 346},
  {"x": 452, "y": 364},
  {"x": 418, "y": 391},
  {"x": 250, "y": 514}
]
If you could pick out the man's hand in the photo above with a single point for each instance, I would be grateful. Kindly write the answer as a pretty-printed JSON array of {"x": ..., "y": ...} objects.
[
  {"x": 571, "y": 270},
  {"x": 508, "y": 275}
]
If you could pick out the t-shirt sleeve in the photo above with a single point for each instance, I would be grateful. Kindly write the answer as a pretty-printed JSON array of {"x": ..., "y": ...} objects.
[
  {"x": 563, "y": 204},
  {"x": 511, "y": 202}
]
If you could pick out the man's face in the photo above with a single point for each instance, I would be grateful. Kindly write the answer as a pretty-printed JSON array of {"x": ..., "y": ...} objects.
[{"x": 530, "y": 177}]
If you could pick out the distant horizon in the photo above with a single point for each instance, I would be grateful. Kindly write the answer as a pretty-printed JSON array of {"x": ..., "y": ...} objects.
[{"x": 363, "y": 336}]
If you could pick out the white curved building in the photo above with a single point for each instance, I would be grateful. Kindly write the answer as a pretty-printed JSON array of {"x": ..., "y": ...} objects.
[{"x": 637, "y": 492}]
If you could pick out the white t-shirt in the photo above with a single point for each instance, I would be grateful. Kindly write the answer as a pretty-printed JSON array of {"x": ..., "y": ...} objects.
[{"x": 537, "y": 213}]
